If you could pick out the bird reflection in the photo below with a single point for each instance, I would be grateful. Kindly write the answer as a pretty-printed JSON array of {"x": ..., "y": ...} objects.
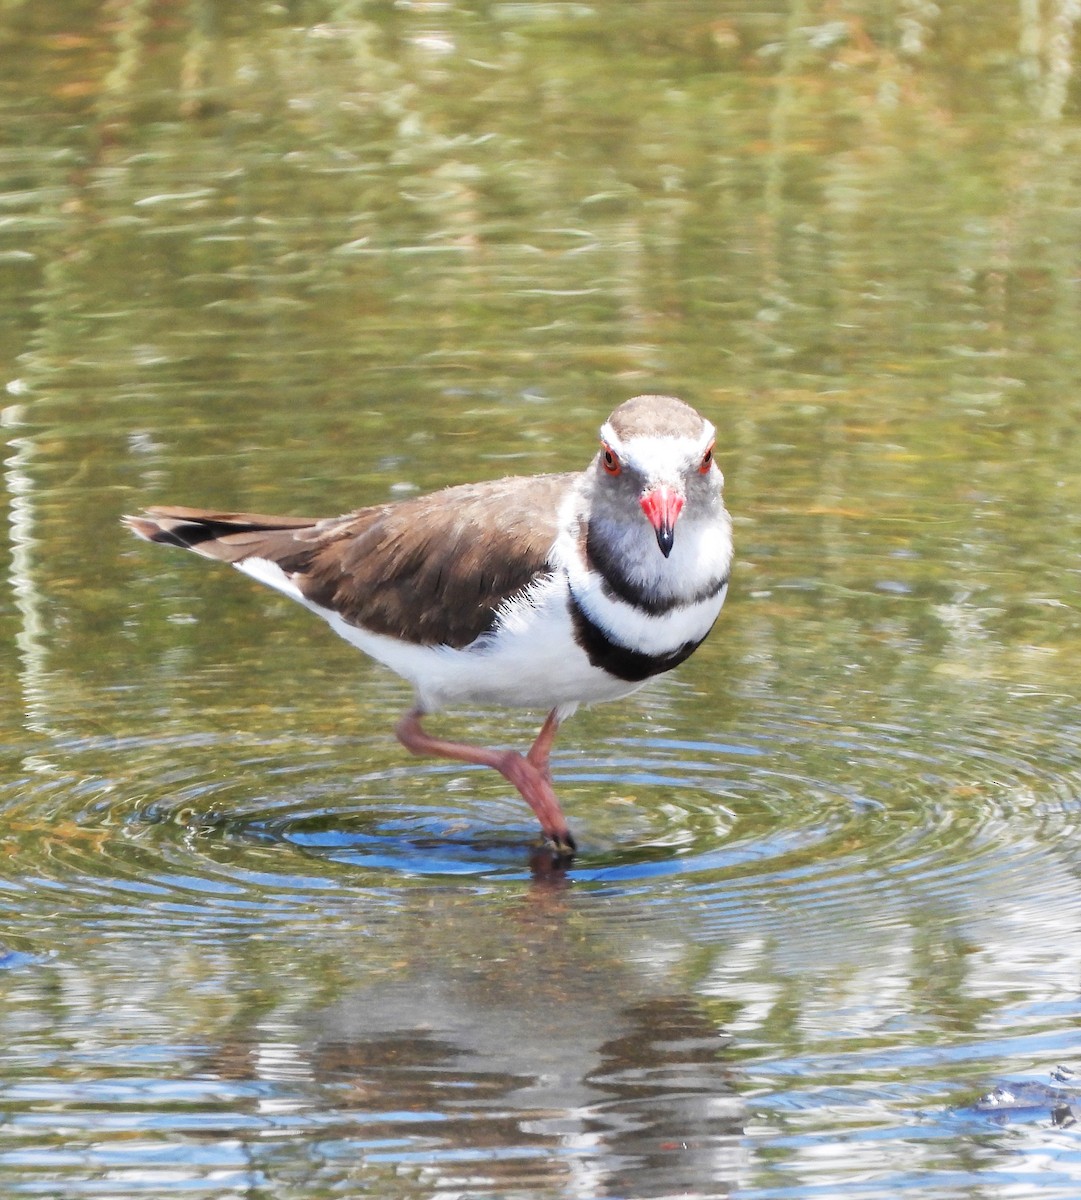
[
  {"x": 616, "y": 1101},
  {"x": 537, "y": 1047}
]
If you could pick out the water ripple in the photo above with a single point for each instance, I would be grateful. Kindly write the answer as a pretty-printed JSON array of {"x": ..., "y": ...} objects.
[{"x": 794, "y": 811}]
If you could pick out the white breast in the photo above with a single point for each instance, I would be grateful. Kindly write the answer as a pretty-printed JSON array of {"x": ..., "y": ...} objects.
[{"x": 701, "y": 556}]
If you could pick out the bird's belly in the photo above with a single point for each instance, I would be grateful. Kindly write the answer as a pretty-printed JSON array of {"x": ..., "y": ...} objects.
[
  {"x": 531, "y": 664},
  {"x": 502, "y": 678}
]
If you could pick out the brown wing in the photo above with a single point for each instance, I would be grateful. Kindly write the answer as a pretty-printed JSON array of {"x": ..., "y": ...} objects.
[{"x": 430, "y": 570}]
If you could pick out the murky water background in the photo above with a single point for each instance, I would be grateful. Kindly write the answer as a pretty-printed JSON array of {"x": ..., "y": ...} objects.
[{"x": 824, "y": 935}]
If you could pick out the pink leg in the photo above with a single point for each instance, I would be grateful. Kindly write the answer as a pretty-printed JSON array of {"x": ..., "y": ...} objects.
[{"x": 529, "y": 773}]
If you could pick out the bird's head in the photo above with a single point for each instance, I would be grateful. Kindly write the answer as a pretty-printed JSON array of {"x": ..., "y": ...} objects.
[{"x": 656, "y": 460}]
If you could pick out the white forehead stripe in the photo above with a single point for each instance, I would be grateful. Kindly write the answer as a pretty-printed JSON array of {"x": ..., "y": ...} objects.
[{"x": 660, "y": 457}]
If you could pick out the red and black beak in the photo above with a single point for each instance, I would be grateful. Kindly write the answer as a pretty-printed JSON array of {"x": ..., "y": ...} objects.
[{"x": 662, "y": 505}]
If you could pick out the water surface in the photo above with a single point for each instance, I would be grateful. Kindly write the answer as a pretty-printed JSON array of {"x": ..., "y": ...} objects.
[{"x": 823, "y": 935}]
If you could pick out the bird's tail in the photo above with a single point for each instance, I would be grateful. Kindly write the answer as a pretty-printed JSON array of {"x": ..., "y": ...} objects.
[{"x": 228, "y": 537}]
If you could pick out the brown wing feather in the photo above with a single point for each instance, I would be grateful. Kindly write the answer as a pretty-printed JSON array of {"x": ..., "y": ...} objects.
[
  {"x": 436, "y": 569},
  {"x": 430, "y": 570}
]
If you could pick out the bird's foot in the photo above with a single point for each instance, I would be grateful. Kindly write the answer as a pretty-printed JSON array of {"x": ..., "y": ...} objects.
[
  {"x": 534, "y": 783},
  {"x": 563, "y": 846}
]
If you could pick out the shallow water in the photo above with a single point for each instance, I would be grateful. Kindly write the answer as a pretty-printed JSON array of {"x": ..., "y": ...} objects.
[{"x": 822, "y": 938}]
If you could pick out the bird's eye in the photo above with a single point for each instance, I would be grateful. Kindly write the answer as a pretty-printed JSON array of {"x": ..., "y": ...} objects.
[
  {"x": 611, "y": 461},
  {"x": 707, "y": 461}
]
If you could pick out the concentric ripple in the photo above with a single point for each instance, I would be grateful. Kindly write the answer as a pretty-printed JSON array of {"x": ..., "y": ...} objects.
[{"x": 815, "y": 813}]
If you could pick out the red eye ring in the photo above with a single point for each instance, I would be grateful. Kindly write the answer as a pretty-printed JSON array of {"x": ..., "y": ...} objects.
[
  {"x": 611, "y": 461},
  {"x": 707, "y": 461}
]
